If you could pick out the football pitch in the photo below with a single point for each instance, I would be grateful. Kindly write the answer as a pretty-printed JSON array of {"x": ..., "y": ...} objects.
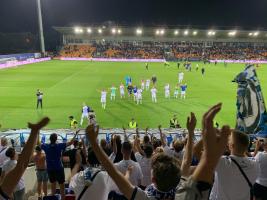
[{"x": 67, "y": 84}]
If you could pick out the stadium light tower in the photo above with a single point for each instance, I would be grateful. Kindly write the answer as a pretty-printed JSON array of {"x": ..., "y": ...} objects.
[{"x": 41, "y": 31}]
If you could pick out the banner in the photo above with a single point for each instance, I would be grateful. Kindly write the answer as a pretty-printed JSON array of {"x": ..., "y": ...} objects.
[{"x": 251, "y": 110}]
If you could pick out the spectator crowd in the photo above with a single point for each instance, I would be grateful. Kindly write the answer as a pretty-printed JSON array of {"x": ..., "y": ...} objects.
[
  {"x": 168, "y": 50},
  {"x": 223, "y": 165}
]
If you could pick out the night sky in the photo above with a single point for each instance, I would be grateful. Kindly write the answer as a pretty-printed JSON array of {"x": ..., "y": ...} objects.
[{"x": 20, "y": 15}]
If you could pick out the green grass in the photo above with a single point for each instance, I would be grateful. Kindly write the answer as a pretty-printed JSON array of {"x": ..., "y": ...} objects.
[{"x": 67, "y": 84}]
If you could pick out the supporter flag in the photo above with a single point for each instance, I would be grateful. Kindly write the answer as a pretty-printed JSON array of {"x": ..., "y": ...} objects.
[{"x": 251, "y": 111}]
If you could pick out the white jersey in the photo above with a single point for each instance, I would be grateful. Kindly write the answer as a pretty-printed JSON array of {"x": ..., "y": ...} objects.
[
  {"x": 147, "y": 82},
  {"x": 153, "y": 91},
  {"x": 142, "y": 84},
  {"x": 139, "y": 93},
  {"x": 103, "y": 96},
  {"x": 85, "y": 110},
  {"x": 167, "y": 88},
  {"x": 122, "y": 89},
  {"x": 181, "y": 75}
]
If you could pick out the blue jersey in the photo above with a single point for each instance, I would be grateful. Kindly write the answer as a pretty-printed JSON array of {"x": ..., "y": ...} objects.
[
  {"x": 183, "y": 88},
  {"x": 135, "y": 90}
]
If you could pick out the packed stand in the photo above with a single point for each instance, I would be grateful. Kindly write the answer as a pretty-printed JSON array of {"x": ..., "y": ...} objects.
[{"x": 160, "y": 50}]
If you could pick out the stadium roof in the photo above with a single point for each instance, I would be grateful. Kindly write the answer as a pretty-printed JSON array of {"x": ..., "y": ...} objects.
[{"x": 162, "y": 32}]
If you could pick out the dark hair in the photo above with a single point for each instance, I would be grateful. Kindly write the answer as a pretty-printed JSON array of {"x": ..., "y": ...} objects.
[
  {"x": 38, "y": 148},
  {"x": 126, "y": 147},
  {"x": 53, "y": 138},
  {"x": 148, "y": 150},
  {"x": 241, "y": 139},
  {"x": 166, "y": 172},
  {"x": 71, "y": 117},
  {"x": 10, "y": 152},
  {"x": 75, "y": 143},
  {"x": 156, "y": 143},
  {"x": 146, "y": 139}
]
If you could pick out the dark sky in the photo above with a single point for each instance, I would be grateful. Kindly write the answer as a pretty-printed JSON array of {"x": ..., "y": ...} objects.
[{"x": 20, "y": 15}]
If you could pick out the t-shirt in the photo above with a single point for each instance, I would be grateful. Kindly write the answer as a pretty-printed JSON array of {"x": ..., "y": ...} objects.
[
  {"x": 261, "y": 157},
  {"x": 153, "y": 91},
  {"x": 181, "y": 75},
  {"x": 135, "y": 89},
  {"x": 121, "y": 88},
  {"x": 53, "y": 155},
  {"x": 145, "y": 164},
  {"x": 139, "y": 92},
  {"x": 7, "y": 167},
  {"x": 103, "y": 94},
  {"x": 136, "y": 175},
  {"x": 147, "y": 82},
  {"x": 39, "y": 95},
  {"x": 85, "y": 110},
  {"x": 167, "y": 88},
  {"x": 101, "y": 186},
  {"x": 113, "y": 90},
  {"x": 229, "y": 183},
  {"x": 183, "y": 88}
]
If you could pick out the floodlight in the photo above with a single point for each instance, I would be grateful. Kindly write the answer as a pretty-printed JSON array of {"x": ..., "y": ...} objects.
[
  {"x": 157, "y": 32},
  {"x": 162, "y": 31},
  {"x": 119, "y": 31},
  {"x": 232, "y": 33},
  {"x": 210, "y": 33},
  {"x": 76, "y": 30},
  {"x": 99, "y": 31},
  {"x": 186, "y": 32},
  {"x": 256, "y": 33},
  {"x": 195, "y": 33},
  {"x": 139, "y": 31},
  {"x": 89, "y": 30},
  {"x": 250, "y": 34},
  {"x": 113, "y": 31},
  {"x": 176, "y": 32}
]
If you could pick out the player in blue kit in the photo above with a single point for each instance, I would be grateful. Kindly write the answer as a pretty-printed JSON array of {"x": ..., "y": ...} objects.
[
  {"x": 135, "y": 92},
  {"x": 183, "y": 90}
]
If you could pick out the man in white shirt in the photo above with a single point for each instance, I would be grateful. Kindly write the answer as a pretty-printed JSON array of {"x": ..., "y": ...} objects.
[
  {"x": 136, "y": 173},
  {"x": 260, "y": 187},
  {"x": 167, "y": 91},
  {"x": 229, "y": 183},
  {"x": 154, "y": 94},
  {"x": 3, "y": 149},
  {"x": 85, "y": 113},
  {"x": 99, "y": 189},
  {"x": 147, "y": 84},
  {"x": 180, "y": 77}
]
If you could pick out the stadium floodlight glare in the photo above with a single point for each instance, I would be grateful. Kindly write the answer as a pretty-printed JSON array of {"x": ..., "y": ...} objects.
[
  {"x": 186, "y": 32},
  {"x": 250, "y": 34},
  {"x": 232, "y": 33},
  {"x": 176, "y": 32},
  {"x": 99, "y": 31},
  {"x": 256, "y": 33},
  {"x": 119, "y": 31},
  {"x": 89, "y": 30},
  {"x": 211, "y": 33},
  {"x": 78, "y": 30},
  {"x": 195, "y": 33},
  {"x": 113, "y": 31},
  {"x": 162, "y": 31},
  {"x": 139, "y": 31},
  {"x": 157, "y": 32}
]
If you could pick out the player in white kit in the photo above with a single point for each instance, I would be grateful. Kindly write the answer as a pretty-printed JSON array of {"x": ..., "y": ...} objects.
[
  {"x": 139, "y": 96},
  {"x": 147, "y": 84},
  {"x": 154, "y": 94},
  {"x": 85, "y": 113},
  {"x": 167, "y": 91},
  {"x": 103, "y": 98},
  {"x": 180, "y": 77},
  {"x": 122, "y": 93},
  {"x": 142, "y": 84}
]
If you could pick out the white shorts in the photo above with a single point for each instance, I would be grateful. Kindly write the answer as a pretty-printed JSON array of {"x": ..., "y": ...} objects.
[
  {"x": 139, "y": 97},
  {"x": 85, "y": 115},
  {"x": 103, "y": 100},
  {"x": 122, "y": 93},
  {"x": 154, "y": 96},
  {"x": 182, "y": 92},
  {"x": 176, "y": 92},
  {"x": 167, "y": 93}
]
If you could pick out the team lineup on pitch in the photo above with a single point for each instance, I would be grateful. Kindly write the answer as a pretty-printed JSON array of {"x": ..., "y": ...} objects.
[{"x": 67, "y": 84}]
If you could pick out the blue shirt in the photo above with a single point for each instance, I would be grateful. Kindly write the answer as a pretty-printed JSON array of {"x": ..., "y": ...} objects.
[
  {"x": 135, "y": 89},
  {"x": 183, "y": 87},
  {"x": 53, "y": 155}
]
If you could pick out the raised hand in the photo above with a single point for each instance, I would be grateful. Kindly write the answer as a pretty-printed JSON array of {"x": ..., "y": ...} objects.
[
  {"x": 42, "y": 123},
  {"x": 191, "y": 123},
  {"x": 92, "y": 132},
  {"x": 214, "y": 140}
]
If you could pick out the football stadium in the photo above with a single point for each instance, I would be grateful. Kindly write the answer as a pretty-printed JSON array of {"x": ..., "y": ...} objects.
[{"x": 112, "y": 110}]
